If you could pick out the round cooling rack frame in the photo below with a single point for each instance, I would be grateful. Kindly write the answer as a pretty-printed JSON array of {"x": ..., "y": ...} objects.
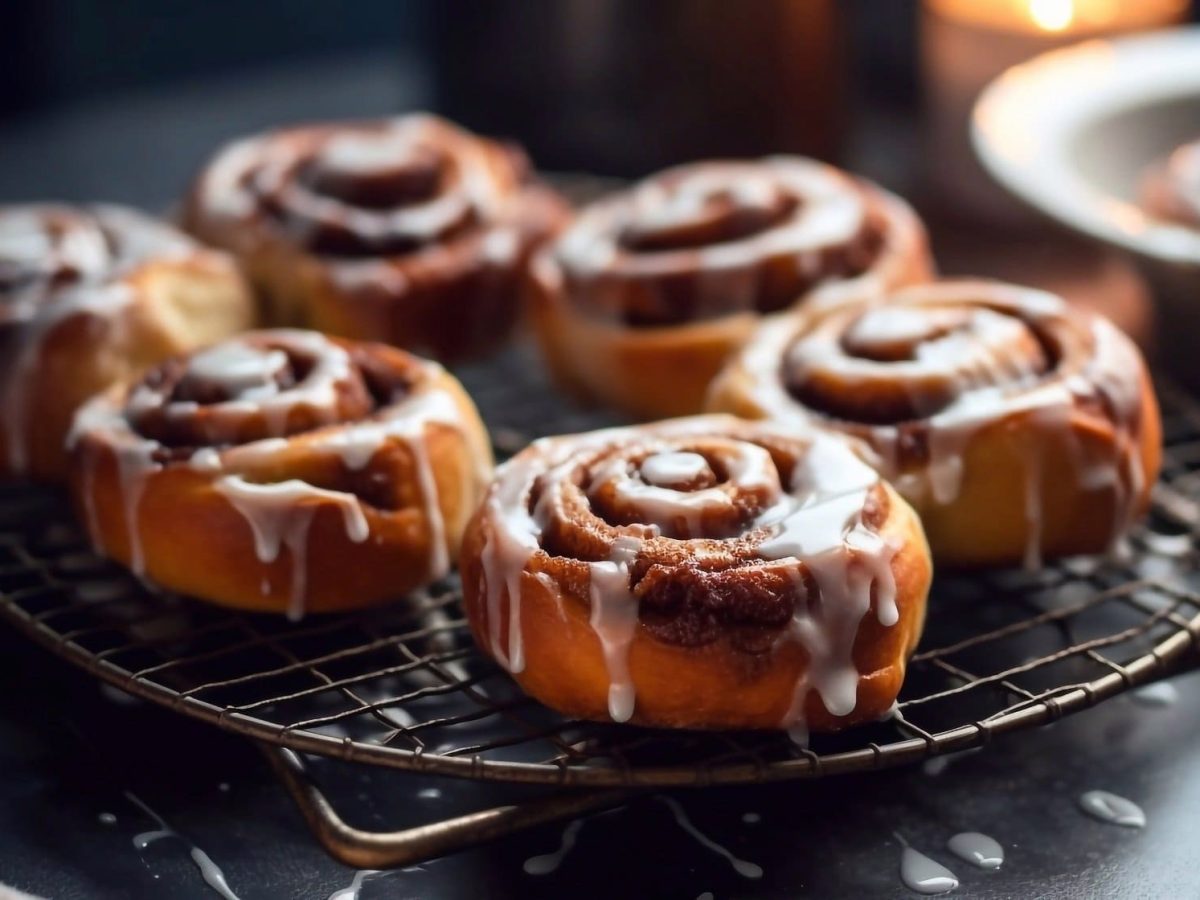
[{"x": 405, "y": 688}]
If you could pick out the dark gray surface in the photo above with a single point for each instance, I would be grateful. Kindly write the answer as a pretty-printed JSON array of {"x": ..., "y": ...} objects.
[{"x": 68, "y": 752}]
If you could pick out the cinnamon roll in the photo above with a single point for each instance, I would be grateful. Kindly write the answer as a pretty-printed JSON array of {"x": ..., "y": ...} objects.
[
  {"x": 409, "y": 231},
  {"x": 283, "y": 470},
  {"x": 1171, "y": 188},
  {"x": 89, "y": 295},
  {"x": 642, "y": 299},
  {"x": 699, "y": 573},
  {"x": 1018, "y": 426}
]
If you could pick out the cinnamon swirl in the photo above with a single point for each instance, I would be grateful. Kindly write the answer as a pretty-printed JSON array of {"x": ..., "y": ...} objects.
[
  {"x": 283, "y": 470},
  {"x": 642, "y": 299},
  {"x": 698, "y": 573},
  {"x": 1018, "y": 426},
  {"x": 409, "y": 231},
  {"x": 89, "y": 295}
]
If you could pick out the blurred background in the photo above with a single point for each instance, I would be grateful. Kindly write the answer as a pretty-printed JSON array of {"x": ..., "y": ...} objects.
[{"x": 125, "y": 101}]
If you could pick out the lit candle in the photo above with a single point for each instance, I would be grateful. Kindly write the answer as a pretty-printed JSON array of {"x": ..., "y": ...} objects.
[{"x": 967, "y": 43}]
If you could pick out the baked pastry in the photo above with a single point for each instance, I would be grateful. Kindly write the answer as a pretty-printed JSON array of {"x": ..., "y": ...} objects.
[
  {"x": 700, "y": 573},
  {"x": 1018, "y": 426},
  {"x": 409, "y": 230},
  {"x": 1171, "y": 188},
  {"x": 642, "y": 299},
  {"x": 283, "y": 471},
  {"x": 89, "y": 295}
]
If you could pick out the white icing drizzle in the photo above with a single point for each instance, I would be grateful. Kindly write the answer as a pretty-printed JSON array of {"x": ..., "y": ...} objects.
[
  {"x": 351, "y": 891},
  {"x": 666, "y": 469},
  {"x": 816, "y": 524},
  {"x": 820, "y": 524},
  {"x": 744, "y": 868},
  {"x": 250, "y": 383},
  {"x": 209, "y": 870},
  {"x": 280, "y": 515},
  {"x": 614, "y": 618},
  {"x": 962, "y": 381},
  {"x": 238, "y": 367}
]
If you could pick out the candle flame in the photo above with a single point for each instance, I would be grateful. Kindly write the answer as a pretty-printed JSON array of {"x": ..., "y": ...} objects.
[{"x": 1052, "y": 15}]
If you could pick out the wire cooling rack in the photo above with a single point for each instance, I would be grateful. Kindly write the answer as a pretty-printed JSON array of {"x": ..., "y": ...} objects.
[{"x": 405, "y": 687}]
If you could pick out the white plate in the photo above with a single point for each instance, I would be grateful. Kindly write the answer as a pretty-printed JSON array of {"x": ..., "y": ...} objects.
[{"x": 1072, "y": 131}]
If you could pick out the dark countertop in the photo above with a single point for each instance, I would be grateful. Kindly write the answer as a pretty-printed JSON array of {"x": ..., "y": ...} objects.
[{"x": 70, "y": 752}]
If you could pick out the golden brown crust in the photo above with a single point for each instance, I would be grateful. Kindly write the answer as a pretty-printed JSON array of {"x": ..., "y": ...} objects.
[
  {"x": 408, "y": 468},
  {"x": 409, "y": 231},
  {"x": 1059, "y": 463},
  {"x": 645, "y": 327},
  {"x": 713, "y": 644},
  {"x": 89, "y": 296}
]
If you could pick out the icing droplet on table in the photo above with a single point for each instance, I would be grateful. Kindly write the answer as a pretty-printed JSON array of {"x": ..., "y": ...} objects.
[
  {"x": 1112, "y": 809},
  {"x": 1161, "y": 693},
  {"x": 924, "y": 875},
  {"x": 549, "y": 862},
  {"x": 977, "y": 849},
  {"x": 209, "y": 870}
]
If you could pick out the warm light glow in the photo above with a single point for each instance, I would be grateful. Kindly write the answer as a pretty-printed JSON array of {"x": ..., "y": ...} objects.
[
  {"x": 1052, "y": 15},
  {"x": 1057, "y": 17}
]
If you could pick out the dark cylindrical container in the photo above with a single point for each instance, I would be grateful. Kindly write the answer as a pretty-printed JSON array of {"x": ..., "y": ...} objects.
[{"x": 623, "y": 87}]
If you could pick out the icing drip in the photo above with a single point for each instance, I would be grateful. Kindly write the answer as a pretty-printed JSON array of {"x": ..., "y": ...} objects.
[
  {"x": 506, "y": 551},
  {"x": 820, "y": 525},
  {"x": 134, "y": 464},
  {"x": 279, "y": 516},
  {"x": 614, "y": 618}
]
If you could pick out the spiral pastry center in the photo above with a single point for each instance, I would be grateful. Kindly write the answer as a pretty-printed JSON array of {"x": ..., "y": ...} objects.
[
  {"x": 717, "y": 238},
  {"x": 701, "y": 491},
  {"x": 689, "y": 213},
  {"x": 376, "y": 172},
  {"x": 893, "y": 364},
  {"x": 248, "y": 389},
  {"x": 371, "y": 189}
]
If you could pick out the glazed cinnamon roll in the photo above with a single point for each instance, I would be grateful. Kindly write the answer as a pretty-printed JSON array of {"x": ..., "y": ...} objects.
[
  {"x": 283, "y": 471},
  {"x": 643, "y": 298},
  {"x": 698, "y": 573},
  {"x": 1019, "y": 427},
  {"x": 1171, "y": 188},
  {"x": 409, "y": 231},
  {"x": 89, "y": 295}
]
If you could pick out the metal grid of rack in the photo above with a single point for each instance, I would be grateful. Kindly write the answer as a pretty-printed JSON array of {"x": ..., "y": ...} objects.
[{"x": 405, "y": 687}]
